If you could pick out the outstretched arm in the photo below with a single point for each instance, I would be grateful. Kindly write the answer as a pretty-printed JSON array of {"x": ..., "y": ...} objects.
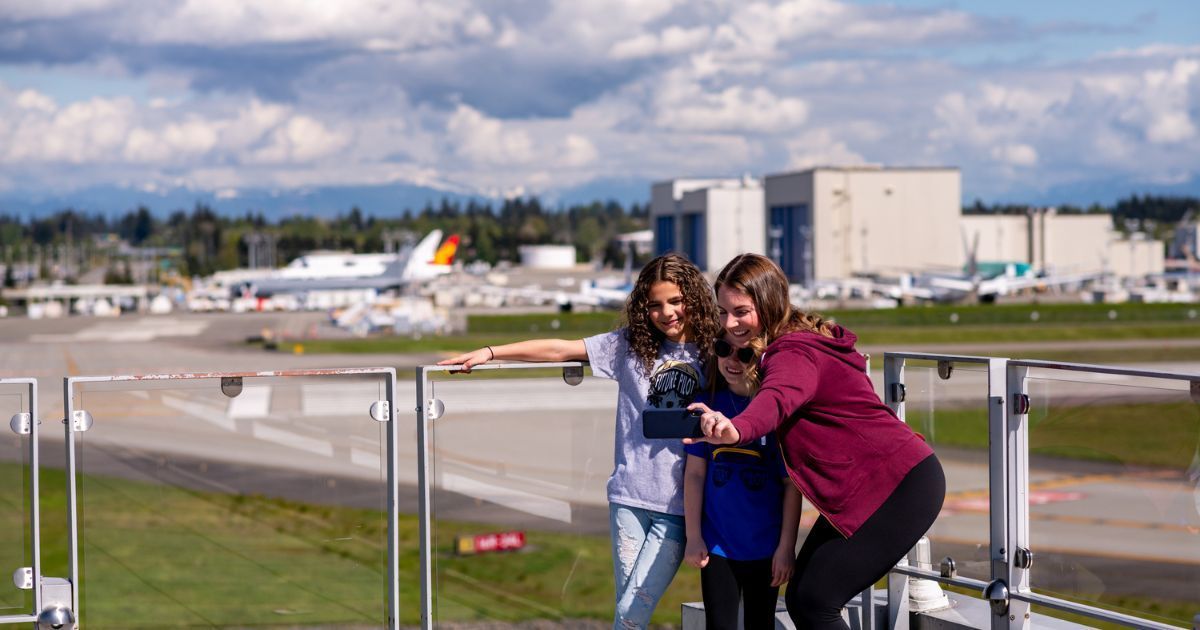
[{"x": 531, "y": 350}]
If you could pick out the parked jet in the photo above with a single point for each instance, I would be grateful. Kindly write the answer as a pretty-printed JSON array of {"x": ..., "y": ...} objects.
[
  {"x": 979, "y": 281},
  {"x": 337, "y": 271}
]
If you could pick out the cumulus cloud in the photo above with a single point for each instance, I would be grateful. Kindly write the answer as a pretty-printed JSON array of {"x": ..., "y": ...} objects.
[{"x": 541, "y": 94}]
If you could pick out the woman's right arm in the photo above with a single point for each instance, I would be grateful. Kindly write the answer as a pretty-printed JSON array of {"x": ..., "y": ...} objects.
[
  {"x": 790, "y": 381},
  {"x": 531, "y": 350}
]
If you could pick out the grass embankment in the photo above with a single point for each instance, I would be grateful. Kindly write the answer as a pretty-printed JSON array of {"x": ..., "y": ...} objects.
[
  {"x": 162, "y": 556},
  {"x": 998, "y": 325}
]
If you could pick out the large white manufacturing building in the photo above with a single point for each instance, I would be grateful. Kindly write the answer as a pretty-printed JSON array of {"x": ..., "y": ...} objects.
[
  {"x": 832, "y": 223},
  {"x": 819, "y": 224}
]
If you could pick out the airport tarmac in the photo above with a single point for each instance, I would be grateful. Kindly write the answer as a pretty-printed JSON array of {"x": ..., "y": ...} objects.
[{"x": 533, "y": 452}]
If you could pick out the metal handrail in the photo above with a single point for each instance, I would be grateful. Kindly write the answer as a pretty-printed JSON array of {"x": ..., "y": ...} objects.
[
  {"x": 1009, "y": 448},
  {"x": 392, "y": 437}
]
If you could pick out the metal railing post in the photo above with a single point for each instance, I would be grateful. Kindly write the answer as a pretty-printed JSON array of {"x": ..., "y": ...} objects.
[
  {"x": 1017, "y": 518},
  {"x": 998, "y": 481},
  {"x": 393, "y": 503},
  {"x": 423, "y": 484}
]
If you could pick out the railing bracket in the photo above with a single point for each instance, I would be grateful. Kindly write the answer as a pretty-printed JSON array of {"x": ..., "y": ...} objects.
[
  {"x": 1021, "y": 404},
  {"x": 1023, "y": 558},
  {"x": 434, "y": 409},
  {"x": 897, "y": 393},
  {"x": 948, "y": 568},
  {"x": 21, "y": 423},
  {"x": 573, "y": 374},
  {"x": 231, "y": 386},
  {"x": 945, "y": 369},
  {"x": 81, "y": 421},
  {"x": 381, "y": 411},
  {"x": 996, "y": 592},
  {"x": 23, "y": 578}
]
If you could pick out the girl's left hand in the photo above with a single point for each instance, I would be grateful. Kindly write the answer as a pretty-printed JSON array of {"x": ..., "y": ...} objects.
[{"x": 782, "y": 565}]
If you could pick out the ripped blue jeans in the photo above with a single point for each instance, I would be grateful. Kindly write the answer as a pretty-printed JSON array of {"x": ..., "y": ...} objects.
[{"x": 647, "y": 549}]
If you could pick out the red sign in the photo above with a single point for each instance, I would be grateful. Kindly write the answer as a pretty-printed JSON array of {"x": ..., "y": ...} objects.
[{"x": 486, "y": 543}]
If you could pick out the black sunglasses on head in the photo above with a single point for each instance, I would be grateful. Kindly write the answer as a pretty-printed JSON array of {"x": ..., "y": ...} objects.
[{"x": 722, "y": 349}]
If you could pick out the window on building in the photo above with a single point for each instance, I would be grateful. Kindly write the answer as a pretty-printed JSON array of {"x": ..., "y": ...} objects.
[
  {"x": 789, "y": 241},
  {"x": 664, "y": 235},
  {"x": 694, "y": 245}
]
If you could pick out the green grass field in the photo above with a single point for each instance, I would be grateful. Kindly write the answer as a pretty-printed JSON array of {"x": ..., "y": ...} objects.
[{"x": 161, "y": 556}]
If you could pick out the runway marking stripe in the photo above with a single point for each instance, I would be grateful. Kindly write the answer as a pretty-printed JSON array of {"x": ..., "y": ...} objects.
[
  {"x": 291, "y": 440},
  {"x": 536, "y": 505},
  {"x": 253, "y": 402}
]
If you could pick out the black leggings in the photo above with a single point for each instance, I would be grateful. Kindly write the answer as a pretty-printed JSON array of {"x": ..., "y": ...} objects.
[
  {"x": 831, "y": 569},
  {"x": 723, "y": 580}
]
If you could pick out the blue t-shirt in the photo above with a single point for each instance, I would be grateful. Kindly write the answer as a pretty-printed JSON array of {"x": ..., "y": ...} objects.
[{"x": 743, "y": 489}]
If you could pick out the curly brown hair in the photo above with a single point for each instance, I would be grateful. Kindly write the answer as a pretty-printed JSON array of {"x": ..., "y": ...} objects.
[
  {"x": 645, "y": 339},
  {"x": 765, "y": 283}
]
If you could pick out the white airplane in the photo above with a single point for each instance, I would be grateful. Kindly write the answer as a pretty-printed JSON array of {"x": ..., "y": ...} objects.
[
  {"x": 980, "y": 282},
  {"x": 337, "y": 271}
]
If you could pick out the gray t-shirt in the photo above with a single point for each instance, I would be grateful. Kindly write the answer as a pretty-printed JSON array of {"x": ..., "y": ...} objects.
[{"x": 646, "y": 473}]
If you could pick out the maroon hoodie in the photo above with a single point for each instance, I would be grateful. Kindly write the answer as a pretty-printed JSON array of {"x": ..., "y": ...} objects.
[{"x": 844, "y": 449}]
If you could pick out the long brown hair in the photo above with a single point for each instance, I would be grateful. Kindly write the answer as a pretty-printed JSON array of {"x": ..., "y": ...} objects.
[
  {"x": 645, "y": 339},
  {"x": 760, "y": 278}
]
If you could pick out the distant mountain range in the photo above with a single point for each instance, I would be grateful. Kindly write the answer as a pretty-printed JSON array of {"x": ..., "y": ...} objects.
[{"x": 394, "y": 199}]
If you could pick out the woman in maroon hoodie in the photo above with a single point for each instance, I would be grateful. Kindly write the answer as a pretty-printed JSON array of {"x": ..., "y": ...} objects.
[{"x": 875, "y": 482}]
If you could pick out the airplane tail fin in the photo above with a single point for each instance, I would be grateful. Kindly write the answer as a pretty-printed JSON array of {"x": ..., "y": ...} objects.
[{"x": 445, "y": 253}]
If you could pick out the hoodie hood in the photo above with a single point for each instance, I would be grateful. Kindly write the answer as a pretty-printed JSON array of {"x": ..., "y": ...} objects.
[{"x": 840, "y": 346}]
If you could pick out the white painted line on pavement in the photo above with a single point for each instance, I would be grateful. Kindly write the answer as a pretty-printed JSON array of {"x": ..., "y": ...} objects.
[
  {"x": 365, "y": 459},
  {"x": 536, "y": 505},
  {"x": 201, "y": 412},
  {"x": 253, "y": 402},
  {"x": 291, "y": 440}
]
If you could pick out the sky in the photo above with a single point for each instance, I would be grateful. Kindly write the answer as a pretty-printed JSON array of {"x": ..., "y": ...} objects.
[{"x": 242, "y": 100}]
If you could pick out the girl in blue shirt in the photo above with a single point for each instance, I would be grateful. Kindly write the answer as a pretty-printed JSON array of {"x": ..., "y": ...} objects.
[{"x": 741, "y": 511}]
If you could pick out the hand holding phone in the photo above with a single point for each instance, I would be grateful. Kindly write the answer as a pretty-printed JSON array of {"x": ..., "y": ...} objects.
[{"x": 671, "y": 423}]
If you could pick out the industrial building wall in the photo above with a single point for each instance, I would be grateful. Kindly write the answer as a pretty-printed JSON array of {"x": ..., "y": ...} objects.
[
  {"x": 1002, "y": 238},
  {"x": 886, "y": 220},
  {"x": 665, "y": 217},
  {"x": 736, "y": 224},
  {"x": 1072, "y": 243},
  {"x": 1135, "y": 257}
]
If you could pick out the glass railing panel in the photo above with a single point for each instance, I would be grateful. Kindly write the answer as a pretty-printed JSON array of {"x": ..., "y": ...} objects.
[
  {"x": 520, "y": 455},
  {"x": 264, "y": 509},
  {"x": 951, "y": 413},
  {"x": 16, "y": 548},
  {"x": 1114, "y": 500}
]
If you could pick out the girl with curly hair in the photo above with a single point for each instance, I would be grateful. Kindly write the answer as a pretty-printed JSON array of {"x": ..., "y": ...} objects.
[
  {"x": 668, "y": 328},
  {"x": 876, "y": 483}
]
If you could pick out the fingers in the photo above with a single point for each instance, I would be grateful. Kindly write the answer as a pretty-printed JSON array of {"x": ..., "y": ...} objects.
[
  {"x": 703, "y": 562},
  {"x": 701, "y": 406}
]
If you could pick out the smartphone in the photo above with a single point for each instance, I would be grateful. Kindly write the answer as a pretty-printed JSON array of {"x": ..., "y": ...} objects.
[{"x": 671, "y": 423}]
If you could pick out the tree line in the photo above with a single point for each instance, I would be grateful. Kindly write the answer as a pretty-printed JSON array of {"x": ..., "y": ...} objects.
[{"x": 202, "y": 241}]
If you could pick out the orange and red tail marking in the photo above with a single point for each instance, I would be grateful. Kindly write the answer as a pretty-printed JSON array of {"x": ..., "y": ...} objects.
[{"x": 445, "y": 253}]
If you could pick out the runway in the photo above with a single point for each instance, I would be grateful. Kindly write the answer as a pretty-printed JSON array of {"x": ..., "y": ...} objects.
[{"x": 534, "y": 452}]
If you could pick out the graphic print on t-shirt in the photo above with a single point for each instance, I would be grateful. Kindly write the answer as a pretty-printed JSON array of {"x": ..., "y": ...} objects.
[{"x": 672, "y": 385}]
